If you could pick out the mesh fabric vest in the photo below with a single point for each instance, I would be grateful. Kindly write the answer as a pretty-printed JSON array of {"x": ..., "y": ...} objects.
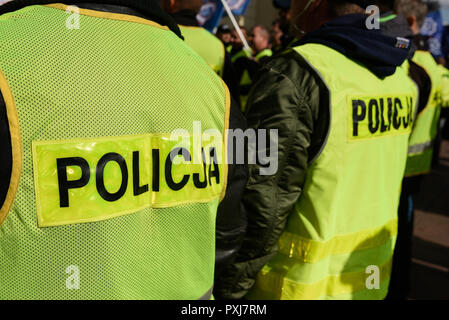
[
  {"x": 426, "y": 126},
  {"x": 118, "y": 81},
  {"x": 207, "y": 46},
  {"x": 339, "y": 239}
]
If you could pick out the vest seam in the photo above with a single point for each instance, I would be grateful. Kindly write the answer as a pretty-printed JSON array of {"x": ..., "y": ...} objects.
[
  {"x": 109, "y": 16},
  {"x": 225, "y": 138},
  {"x": 318, "y": 73},
  {"x": 16, "y": 147}
]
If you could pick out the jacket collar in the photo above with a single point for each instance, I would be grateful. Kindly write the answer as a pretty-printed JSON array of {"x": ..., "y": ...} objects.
[{"x": 148, "y": 9}]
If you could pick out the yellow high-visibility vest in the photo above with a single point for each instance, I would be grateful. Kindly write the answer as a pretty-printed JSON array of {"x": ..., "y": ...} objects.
[
  {"x": 104, "y": 202},
  {"x": 426, "y": 125},
  {"x": 206, "y": 45},
  {"x": 339, "y": 239},
  {"x": 444, "y": 86},
  {"x": 262, "y": 54}
]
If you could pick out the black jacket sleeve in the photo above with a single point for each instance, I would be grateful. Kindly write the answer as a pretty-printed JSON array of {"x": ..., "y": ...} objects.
[
  {"x": 231, "y": 218},
  {"x": 291, "y": 98},
  {"x": 422, "y": 80}
]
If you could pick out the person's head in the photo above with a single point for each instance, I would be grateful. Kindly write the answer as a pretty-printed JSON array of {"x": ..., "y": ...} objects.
[
  {"x": 414, "y": 12},
  {"x": 259, "y": 38},
  {"x": 237, "y": 43},
  {"x": 172, "y": 6},
  {"x": 224, "y": 34},
  {"x": 385, "y": 5},
  {"x": 276, "y": 33},
  {"x": 309, "y": 15}
]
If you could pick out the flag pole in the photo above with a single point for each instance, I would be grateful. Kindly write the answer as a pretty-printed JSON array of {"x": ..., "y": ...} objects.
[{"x": 236, "y": 25}]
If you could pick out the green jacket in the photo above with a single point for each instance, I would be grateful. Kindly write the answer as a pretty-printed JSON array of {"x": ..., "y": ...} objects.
[
  {"x": 299, "y": 109},
  {"x": 291, "y": 97}
]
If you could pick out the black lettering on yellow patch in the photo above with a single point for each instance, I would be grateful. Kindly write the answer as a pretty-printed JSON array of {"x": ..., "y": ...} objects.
[
  {"x": 88, "y": 180},
  {"x": 376, "y": 117}
]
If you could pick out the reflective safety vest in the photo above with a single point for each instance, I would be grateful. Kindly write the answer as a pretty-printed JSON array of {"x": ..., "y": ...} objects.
[
  {"x": 339, "y": 239},
  {"x": 426, "y": 126},
  {"x": 241, "y": 54},
  {"x": 109, "y": 204},
  {"x": 444, "y": 86},
  {"x": 245, "y": 80},
  {"x": 262, "y": 54},
  {"x": 245, "y": 87},
  {"x": 206, "y": 45}
]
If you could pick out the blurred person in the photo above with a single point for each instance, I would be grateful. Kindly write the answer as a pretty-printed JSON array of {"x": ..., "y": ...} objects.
[
  {"x": 426, "y": 126},
  {"x": 243, "y": 64},
  {"x": 445, "y": 103},
  {"x": 344, "y": 109},
  {"x": 247, "y": 65},
  {"x": 283, "y": 7},
  {"x": 204, "y": 43},
  {"x": 393, "y": 24},
  {"x": 259, "y": 41},
  {"x": 224, "y": 33},
  {"x": 424, "y": 70},
  {"x": 93, "y": 204},
  {"x": 276, "y": 36},
  {"x": 433, "y": 28},
  {"x": 238, "y": 49}
]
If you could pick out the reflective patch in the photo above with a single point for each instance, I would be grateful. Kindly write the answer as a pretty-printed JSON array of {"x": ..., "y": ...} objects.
[
  {"x": 376, "y": 117},
  {"x": 312, "y": 251},
  {"x": 276, "y": 285},
  {"x": 420, "y": 148},
  {"x": 89, "y": 180}
]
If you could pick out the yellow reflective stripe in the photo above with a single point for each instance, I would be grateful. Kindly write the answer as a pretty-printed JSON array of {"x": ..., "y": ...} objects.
[
  {"x": 307, "y": 250},
  {"x": 278, "y": 286},
  {"x": 16, "y": 147},
  {"x": 88, "y": 180},
  {"x": 420, "y": 148},
  {"x": 109, "y": 15},
  {"x": 419, "y": 164}
]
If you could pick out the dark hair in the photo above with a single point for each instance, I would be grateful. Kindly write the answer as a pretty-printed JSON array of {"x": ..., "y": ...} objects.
[
  {"x": 340, "y": 8},
  {"x": 409, "y": 8},
  {"x": 385, "y": 5}
]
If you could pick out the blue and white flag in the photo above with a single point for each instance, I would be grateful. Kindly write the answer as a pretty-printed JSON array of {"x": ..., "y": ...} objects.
[
  {"x": 212, "y": 11},
  {"x": 433, "y": 28},
  {"x": 210, "y": 14},
  {"x": 238, "y": 7}
]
